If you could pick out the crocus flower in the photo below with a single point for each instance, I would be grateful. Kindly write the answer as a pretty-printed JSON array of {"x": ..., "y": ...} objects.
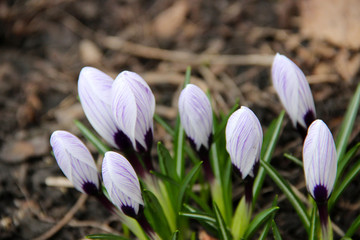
[
  {"x": 196, "y": 116},
  {"x": 319, "y": 157},
  {"x": 121, "y": 111},
  {"x": 94, "y": 88},
  {"x": 294, "y": 92},
  {"x": 122, "y": 183},
  {"x": 76, "y": 162},
  {"x": 133, "y": 107},
  {"x": 244, "y": 138}
]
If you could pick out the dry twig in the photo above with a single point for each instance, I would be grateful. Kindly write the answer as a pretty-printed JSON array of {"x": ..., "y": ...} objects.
[{"x": 68, "y": 216}]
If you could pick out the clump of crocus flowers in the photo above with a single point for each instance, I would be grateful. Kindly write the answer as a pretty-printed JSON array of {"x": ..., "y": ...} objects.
[{"x": 121, "y": 111}]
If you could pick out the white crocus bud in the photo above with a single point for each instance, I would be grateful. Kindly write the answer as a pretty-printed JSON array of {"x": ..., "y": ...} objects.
[
  {"x": 133, "y": 107},
  {"x": 244, "y": 139},
  {"x": 122, "y": 184},
  {"x": 196, "y": 116},
  {"x": 294, "y": 92},
  {"x": 76, "y": 162},
  {"x": 319, "y": 157}
]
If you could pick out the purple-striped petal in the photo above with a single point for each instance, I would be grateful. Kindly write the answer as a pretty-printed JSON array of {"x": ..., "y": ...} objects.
[
  {"x": 76, "y": 162},
  {"x": 244, "y": 138},
  {"x": 319, "y": 157},
  {"x": 94, "y": 88},
  {"x": 196, "y": 115},
  {"x": 133, "y": 106},
  {"x": 294, "y": 91},
  {"x": 122, "y": 184}
]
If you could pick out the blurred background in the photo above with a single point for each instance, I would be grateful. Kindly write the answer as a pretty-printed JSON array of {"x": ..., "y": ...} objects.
[{"x": 229, "y": 44}]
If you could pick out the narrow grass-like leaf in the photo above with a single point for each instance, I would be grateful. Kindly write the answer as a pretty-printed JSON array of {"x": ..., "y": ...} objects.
[
  {"x": 155, "y": 215},
  {"x": 353, "y": 228},
  {"x": 266, "y": 229},
  {"x": 106, "y": 237},
  {"x": 89, "y": 135},
  {"x": 221, "y": 127},
  {"x": 199, "y": 216},
  {"x": 347, "y": 125},
  {"x": 312, "y": 232},
  {"x": 285, "y": 188},
  {"x": 179, "y": 149},
  {"x": 199, "y": 201},
  {"x": 275, "y": 230},
  {"x": 353, "y": 172},
  {"x": 175, "y": 235},
  {"x": 206, "y": 220},
  {"x": 344, "y": 162},
  {"x": 223, "y": 231},
  {"x": 270, "y": 139},
  {"x": 166, "y": 162},
  {"x": 165, "y": 178},
  {"x": 185, "y": 183},
  {"x": 294, "y": 159},
  {"x": 259, "y": 220},
  {"x": 164, "y": 124}
]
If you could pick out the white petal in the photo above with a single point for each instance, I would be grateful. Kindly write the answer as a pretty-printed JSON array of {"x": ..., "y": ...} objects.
[
  {"x": 196, "y": 115},
  {"x": 121, "y": 181},
  {"x": 293, "y": 89},
  {"x": 133, "y": 106},
  {"x": 244, "y": 138},
  {"x": 74, "y": 159},
  {"x": 319, "y": 156},
  {"x": 94, "y": 89}
]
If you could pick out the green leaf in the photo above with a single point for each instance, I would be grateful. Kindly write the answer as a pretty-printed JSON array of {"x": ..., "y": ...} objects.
[
  {"x": 179, "y": 149},
  {"x": 275, "y": 230},
  {"x": 106, "y": 236},
  {"x": 266, "y": 229},
  {"x": 207, "y": 220},
  {"x": 223, "y": 231},
  {"x": 221, "y": 127},
  {"x": 294, "y": 159},
  {"x": 312, "y": 232},
  {"x": 353, "y": 172},
  {"x": 199, "y": 216},
  {"x": 285, "y": 188},
  {"x": 348, "y": 156},
  {"x": 166, "y": 162},
  {"x": 155, "y": 215},
  {"x": 165, "y": 178},
  {"x": 258, "y": 221},
  {"x": 347, "y": 125},
  {"x": 353, "y": 228},
  {"x": 89, "y": 135},
  {"x": 166, "y": 126},
  {"x": 175, "y": 235},
  {"x": 185, "y": 183},
  {"x": 270, "y": 139}
]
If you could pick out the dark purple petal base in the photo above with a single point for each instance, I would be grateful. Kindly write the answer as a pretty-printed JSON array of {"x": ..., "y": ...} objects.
[
  {"x": 91, "y": 189},
  {"x": 308, "y": 118},
  {"x": 204, "y": 155}
]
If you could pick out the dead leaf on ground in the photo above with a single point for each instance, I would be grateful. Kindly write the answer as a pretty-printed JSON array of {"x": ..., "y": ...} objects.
[
  {"x": 346, "y": 65},
  {"x": 168, "y": 22},
  {"x": 325, "y": 20},
  {"x": 17, "y": 151}
]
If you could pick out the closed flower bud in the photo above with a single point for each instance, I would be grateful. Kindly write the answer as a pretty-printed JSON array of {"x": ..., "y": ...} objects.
[
  {"x": 122, "y": 184},
  {"x": 244, "y": 138},
  {"x": 94, "y": 89},
  {"x": 294, "y": 92},
  {"x": 319, "y": 157},
  {"x": 76, "y": 162},
  {"x": 196, "y": 116},
  {"x": 133, "y": 107}
]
